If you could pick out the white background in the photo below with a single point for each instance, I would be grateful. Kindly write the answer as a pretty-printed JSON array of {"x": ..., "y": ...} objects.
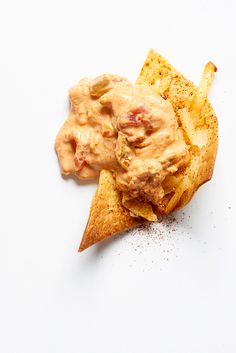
[{"x": 176, "y": 294}]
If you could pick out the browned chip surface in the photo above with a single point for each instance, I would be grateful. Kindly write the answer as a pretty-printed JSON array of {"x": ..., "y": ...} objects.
[{"x": 107, "y": 215}]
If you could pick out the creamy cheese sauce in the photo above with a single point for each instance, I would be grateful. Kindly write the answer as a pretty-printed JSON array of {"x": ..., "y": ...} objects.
[{"x": 123, "y": 127}]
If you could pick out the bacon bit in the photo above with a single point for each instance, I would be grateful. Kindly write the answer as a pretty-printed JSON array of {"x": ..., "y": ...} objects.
[
  {"x": 73, "y": 145},
  {"x": 79, "y": 162},
  {"x": 140, "y": 110},
  {"x": 135, "y": 117},
  {"x": 108, "y": 133}
]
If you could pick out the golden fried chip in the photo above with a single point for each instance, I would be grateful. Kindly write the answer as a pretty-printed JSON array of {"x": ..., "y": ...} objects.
[
  {"x": 139, "y": 208},
  {"x": 107, "y": 215}
]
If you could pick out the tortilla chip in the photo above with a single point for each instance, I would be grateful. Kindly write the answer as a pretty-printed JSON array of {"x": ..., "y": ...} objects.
[
  {"x": 181, "y": 93},
  {"x": 107, "y": 215}
]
